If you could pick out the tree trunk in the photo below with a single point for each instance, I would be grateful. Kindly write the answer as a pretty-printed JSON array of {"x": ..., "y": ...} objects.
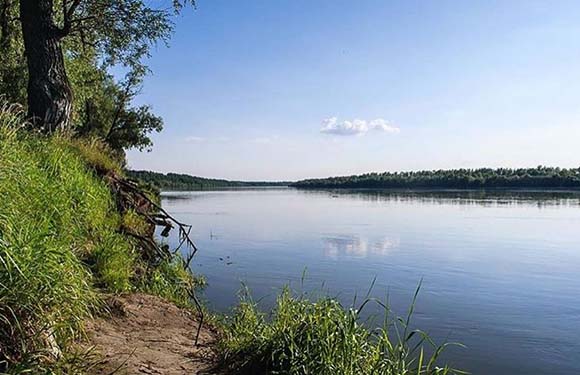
[{"x": 49, "y": 92}]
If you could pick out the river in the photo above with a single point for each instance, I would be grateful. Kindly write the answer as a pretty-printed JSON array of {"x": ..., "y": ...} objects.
[{"x": 500, "y": 271}]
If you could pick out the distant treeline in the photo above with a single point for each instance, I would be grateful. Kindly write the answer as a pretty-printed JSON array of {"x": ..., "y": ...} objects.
[
  {"x": 177, "y": 181},
  {"x": 483, "y": 178}
]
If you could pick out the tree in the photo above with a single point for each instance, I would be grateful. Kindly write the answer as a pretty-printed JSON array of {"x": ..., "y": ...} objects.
[
  {"x": 116, "y": 31},
  {"x": 49, "y": 92},
  {"x": 540, "y": 177},
  {"x": 109, "y": 117}
]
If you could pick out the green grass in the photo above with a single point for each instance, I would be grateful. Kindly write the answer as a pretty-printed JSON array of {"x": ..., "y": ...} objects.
[
  {"x": 321, "y": 337},
  {"x": 58, "y": 238},
  {"x": 60, "y": 245},
  {"x": 93, "y": 152},
  {"x": 171, "y": 281}
]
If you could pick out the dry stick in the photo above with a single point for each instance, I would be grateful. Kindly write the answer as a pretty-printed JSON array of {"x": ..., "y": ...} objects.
[
  {"x": 184, "y": 238},
  {"x": 162, "y": 253},
  {"x": 201, "y": 315},
  {"x": 183, "y": 234},
  {"x": 144, "y": 196}
]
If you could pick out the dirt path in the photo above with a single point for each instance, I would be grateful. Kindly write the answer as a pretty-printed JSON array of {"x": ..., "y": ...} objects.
[{"x": 147, "y": 335}]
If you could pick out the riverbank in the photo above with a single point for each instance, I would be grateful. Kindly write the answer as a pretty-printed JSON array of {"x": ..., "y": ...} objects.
[
  {"x": 77, "y": 242},
  {"x": 71, "y": 230},
  {"x": 145, "y": 334}
]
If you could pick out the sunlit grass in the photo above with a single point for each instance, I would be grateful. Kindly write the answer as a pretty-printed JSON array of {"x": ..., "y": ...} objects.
[
  {"x": 60, "y": 244},
  {"x": 93, "y": 152},
  {"x": 302, "y": 336},
  {"x": 57, "y": 238},
  {"x": 171, "y": 281}
]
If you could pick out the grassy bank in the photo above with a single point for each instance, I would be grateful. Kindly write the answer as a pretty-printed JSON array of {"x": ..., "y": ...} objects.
[
  {"x": 303, "y": 336},
  {"x": 60, "y": 246}
]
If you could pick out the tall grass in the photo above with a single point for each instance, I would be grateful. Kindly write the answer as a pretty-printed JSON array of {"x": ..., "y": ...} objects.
[
  {"x": 323, "y": 337},
  {"x": 58, "y": 238},
  {"x": 62, "y": 242}
]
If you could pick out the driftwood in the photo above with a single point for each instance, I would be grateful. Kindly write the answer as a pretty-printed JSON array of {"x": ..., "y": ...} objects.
[{"x": 130, "y": 197}]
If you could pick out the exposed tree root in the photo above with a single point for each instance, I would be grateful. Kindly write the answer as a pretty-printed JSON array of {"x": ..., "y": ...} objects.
[{"x": 130, "y": 196}]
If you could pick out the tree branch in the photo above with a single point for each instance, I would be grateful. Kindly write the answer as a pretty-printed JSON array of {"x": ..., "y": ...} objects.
[
  {"x": 67, "y": 14},
  {"x": 122, "y": 101}
]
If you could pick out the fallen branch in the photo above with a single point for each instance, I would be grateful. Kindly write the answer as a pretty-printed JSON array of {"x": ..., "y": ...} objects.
[{"x": 130, "y": 196}]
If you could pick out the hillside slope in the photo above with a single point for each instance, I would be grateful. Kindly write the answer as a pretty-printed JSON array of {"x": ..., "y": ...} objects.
[{"x": 64, "y": 241}]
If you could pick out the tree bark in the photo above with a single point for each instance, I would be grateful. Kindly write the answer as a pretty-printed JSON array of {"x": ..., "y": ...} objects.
[{"x": 49, "y": 92}]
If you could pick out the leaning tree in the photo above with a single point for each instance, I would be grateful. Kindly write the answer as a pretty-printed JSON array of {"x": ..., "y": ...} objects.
[{"x": 119, "y": 31}]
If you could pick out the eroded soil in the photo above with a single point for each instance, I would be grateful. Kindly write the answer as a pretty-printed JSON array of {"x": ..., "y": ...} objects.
[{"x": 145, "y": 334}]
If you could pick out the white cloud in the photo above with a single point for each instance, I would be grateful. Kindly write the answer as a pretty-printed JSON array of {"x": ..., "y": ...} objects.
[
  {"x": 356, "y": 127},
  {"x": 384, "y": 126},
  {"x": 194, "y": 139}
]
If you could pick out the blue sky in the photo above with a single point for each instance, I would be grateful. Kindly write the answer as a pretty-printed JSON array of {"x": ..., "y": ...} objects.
[{"x": 280, "y": 89}]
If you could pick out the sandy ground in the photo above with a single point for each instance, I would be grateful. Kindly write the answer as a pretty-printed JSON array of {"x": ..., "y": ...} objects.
[{"x": 147, "y": 335}]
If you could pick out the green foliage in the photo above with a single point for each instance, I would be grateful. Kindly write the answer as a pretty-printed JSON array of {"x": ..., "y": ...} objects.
[
  {"x": 120, "y": 31},
  {"x": 135, "y": 223},
  {"x": 13, "y": 75},
  {"x": 176, "y": 181},
  {"x": 131, "y": 128},
  {"x": 60, "y": 242},
  {"x": 58, "y": 237},
  {"x": 322, "y": 337},
  {"x": 90, "y": 82},
  {"x": 172, "y": 281},
  {"x": 104, "y": 110},
  {"x": 483, "y": 178},
  {"x": 94, "y": 152},
  {"x": 96, "y": 36}
]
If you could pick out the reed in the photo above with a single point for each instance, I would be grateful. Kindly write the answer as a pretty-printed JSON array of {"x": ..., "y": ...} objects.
[{"x": 302, "y": 336}]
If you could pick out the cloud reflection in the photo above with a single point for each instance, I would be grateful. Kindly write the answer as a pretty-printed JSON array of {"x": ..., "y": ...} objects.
[{"x": 354, "y": 246}]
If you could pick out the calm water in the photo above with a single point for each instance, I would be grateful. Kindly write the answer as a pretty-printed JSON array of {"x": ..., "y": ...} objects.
[{"x": 501, "y": 272}]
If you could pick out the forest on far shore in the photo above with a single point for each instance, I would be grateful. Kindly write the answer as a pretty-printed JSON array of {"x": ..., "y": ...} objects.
[
  {"x": 178, "y": 181},
  {"x": 483, "y": 178}
]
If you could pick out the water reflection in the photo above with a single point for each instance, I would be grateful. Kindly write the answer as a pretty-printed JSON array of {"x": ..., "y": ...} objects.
[
  {"x": 430, "y": 197},
  {"x": 456, "y": 197},
  {"x": 353, "y": 246}
]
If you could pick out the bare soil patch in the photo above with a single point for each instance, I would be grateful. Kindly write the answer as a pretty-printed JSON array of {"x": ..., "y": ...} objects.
[{"x": 145, "y": 334}]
